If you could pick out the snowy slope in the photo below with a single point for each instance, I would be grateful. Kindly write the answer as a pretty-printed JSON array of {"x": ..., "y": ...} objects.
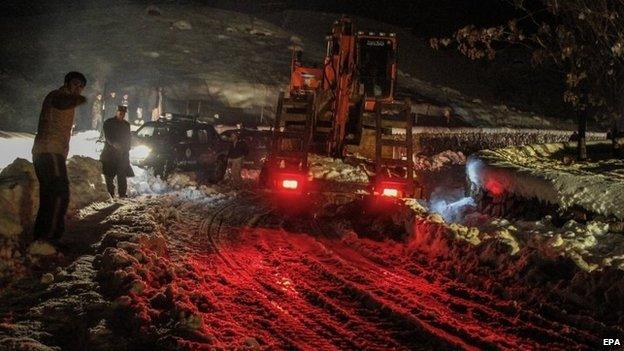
[{"x": 229, "y": 60}]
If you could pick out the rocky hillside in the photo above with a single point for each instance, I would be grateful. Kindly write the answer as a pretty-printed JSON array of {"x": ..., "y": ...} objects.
[{"x": 234, "y": 63}]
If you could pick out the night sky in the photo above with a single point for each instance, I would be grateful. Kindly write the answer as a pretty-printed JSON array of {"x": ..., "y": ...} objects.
[{"x": 424, "y": 17}]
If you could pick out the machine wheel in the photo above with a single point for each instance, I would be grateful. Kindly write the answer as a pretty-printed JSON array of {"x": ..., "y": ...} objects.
[{"x": 216, "y": 172}]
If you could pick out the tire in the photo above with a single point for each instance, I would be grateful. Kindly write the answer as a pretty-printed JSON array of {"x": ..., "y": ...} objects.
[{"x": 216, "y": 172}]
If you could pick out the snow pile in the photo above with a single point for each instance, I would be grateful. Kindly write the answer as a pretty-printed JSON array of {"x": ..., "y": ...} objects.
[
  {"x": 144, "y": 182},
  {"x": 581, "y": 264},
  {"x": 19, "y": 196},
  {"x": 161, "y": 299},
  {"x": 438, "y": 161},
  {"x": 86, "y": 182},
  {"x": 56, "y": 308},
  {"x": 327, "y": 168},
  {"x": 544, "y": 172},
  {"x": 19, "y": 199}
]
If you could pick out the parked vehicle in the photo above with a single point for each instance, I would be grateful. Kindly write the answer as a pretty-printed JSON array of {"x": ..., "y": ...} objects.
[{"x": 180, "y": 143}]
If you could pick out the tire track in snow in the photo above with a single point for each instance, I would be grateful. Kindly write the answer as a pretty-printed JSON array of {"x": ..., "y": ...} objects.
[
  {"x": 513, "y": 318},
  {"x": 331, "y": 294},
  {"x": 267, "y": 290}
]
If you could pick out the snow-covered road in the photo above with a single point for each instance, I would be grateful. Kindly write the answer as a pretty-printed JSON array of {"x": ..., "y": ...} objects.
[
  {"x": 183, "y": 266},
  {"x": 233, "y": 274}
]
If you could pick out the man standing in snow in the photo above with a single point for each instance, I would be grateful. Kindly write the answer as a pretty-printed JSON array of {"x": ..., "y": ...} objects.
[
  {"x": 50, "y": 154},
  {"x": 110, "y": 103},
  {"x": 237, "y": 153},
  {"x": 116, "y": 154},
  {"x": 96, "y": 113}
]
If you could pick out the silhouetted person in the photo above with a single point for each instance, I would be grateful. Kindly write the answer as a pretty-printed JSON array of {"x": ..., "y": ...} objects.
[
  {"x": 110, "y": 103},
  {"x": 115, "y": 156},
  {"x": 50, "y": 154},
  {"x": 236, "y": 155}
]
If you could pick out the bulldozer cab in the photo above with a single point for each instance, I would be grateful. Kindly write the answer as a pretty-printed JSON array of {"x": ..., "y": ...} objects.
[
  {"x": 376, "y": 65},
  {"x": 304, "y": 78}
]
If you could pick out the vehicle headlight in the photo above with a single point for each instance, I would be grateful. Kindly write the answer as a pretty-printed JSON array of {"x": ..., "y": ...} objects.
[{"x": 139, "y": 153}]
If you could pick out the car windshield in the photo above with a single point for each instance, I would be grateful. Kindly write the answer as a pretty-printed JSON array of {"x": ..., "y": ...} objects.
[{"x": 150, "y": 131}]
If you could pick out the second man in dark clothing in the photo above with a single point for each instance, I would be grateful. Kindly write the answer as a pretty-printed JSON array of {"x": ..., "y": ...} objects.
[
  {"x": 116, "y": 154},
  {"x": 236, "y": 155}
]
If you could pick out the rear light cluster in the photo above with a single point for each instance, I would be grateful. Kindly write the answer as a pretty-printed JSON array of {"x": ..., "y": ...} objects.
[
  {"x": 390, "y": 188},
  {"x": 390, "y": 192},
  {"x": 290, "y": 184}
]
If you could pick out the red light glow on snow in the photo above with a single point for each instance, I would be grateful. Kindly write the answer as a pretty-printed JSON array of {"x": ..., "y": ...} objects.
[{"x": 494, "y": 187}]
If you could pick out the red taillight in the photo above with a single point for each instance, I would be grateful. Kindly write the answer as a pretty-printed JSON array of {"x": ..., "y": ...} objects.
[
  {"x": 290, "y": 184},
  {"x": 390, "y": 192}
]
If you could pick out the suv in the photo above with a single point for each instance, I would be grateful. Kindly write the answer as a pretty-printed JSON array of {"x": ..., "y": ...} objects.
[{"x": 180, "y": 143}]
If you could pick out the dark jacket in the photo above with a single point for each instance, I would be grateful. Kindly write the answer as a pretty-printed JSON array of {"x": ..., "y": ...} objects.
[
  {"x": 238, "y": 150},
  {"x": 116, "y": 154}
]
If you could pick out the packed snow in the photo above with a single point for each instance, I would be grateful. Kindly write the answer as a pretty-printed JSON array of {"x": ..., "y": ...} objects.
[
  {"x": 547, "y": 172},
  {"x": 539, "y": 172}
]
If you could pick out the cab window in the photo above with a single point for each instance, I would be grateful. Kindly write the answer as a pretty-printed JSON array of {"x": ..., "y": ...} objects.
[{"x": 145, "y": 132}]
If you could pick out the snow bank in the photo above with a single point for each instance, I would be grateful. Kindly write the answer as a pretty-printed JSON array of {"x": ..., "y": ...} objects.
[
  {"x": 19, "y": 195},
  {"x": 19, "y": 192},
  {"x": 429, "y": 141},
  {"x": 19, "y": 200},
  {"x": 433, "y": 140},
  {"x": 579, "y": 264},
  {"x": 86, "y": 182},
  {"x": 544, "y": 172}
]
